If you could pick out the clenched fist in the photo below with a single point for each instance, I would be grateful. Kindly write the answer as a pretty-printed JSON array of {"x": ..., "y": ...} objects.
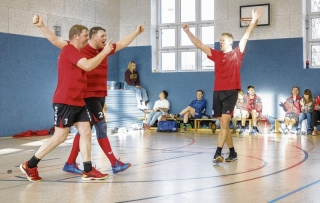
[
  {"x": 37, "y": 20},
  {"x": 140, "y": 29}
]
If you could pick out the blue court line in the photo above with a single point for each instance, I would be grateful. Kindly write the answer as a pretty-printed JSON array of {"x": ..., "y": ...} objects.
[{"x": 297, "y": 190}]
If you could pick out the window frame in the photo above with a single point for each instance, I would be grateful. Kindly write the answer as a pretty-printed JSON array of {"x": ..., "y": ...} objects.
[
  {"x": 198, "y": 24},
  {"x": 160, "y": 59},
  {"x": 309, "y": 41}
]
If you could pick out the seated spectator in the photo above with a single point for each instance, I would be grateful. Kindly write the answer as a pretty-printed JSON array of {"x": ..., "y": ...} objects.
[
  {"x": 316, "y": 115},
  {"x": 251, "y": 109},
  {"x": 237, "y": 110},
  {"x": 160, "y": 107},
  {"x": 293, "y": 110},
  {"x": 306, "y": 111},
  {"x": 196, "y": 109},
  {"x": 132, "y": 82}
]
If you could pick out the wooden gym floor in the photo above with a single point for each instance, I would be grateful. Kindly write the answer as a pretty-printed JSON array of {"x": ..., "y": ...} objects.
[{"x": 171, "y": 167}]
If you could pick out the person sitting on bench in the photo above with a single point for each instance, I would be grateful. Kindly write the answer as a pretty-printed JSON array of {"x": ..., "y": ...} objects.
[
  {"x": 251, "y": 109},
  {"x": 292, "y": 107},
  {"x": 196, "y": 109},
  {"x": 160, "y": 107}
]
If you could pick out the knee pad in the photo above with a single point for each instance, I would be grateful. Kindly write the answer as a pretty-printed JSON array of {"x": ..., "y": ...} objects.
[{"x": 101, "y": 129}]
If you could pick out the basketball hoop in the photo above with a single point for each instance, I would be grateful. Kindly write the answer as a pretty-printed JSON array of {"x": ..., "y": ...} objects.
[{"x": 244, "y": 22}]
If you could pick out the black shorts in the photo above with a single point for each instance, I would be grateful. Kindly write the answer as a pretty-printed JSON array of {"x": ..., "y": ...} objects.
[
  {"x": 67, "y": 115},
  {"x": 95, "y": 107},
  {"x": 224, "y": 102}
]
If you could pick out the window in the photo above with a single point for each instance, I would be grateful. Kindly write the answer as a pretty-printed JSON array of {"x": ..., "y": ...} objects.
[
  {"x": 313, "y": 35},
  {"x": 175, "y": 51}
]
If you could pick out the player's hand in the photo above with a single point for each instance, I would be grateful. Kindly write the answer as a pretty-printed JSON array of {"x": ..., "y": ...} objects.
[
  {"x": 37, "y": 20},
  {"x": 140, "y": 29},
  {"x": 185, "y": 27},
  {"x": 108, "y": 47},
  {"x": 256, "y": 14}
]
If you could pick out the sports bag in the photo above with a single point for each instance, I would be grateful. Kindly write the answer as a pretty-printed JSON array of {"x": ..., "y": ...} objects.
[{"x": 167, "y": 126}]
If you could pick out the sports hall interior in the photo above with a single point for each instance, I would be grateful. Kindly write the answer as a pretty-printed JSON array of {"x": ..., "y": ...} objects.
[{"x": 166, "y": 167}]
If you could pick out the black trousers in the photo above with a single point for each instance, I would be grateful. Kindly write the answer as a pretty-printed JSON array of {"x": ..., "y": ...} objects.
[{"x": 315, "y": 118}]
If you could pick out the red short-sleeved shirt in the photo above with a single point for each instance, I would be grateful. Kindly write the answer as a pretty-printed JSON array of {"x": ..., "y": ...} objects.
[
  {"x": 72, "y": 80},
  {"x": 97, "y": 78},
  {"x": 227, "y": 69}
]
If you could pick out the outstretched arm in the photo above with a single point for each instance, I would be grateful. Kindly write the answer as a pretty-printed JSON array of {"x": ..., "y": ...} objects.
[
  {"x": 196, "y": 41},
  {"x": 56, "y": 41},
  {"x": 125, "y": 41},
  {"x": 255, "y": 17}
]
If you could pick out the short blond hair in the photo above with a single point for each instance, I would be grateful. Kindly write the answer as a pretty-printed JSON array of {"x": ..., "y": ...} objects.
[
  {"x": 76, "y": 30},
  {"x": 228, "y": 35}
]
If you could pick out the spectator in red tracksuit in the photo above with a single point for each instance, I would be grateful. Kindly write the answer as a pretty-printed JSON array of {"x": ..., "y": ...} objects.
[
  {"x": 293, "y": 109},
  {"x": 316, "y": 115},
  {"x": 251, "y": 108}
]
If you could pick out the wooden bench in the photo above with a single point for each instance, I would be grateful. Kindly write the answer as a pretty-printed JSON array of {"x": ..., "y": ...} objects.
[
  {"x": 141, "y": 118},
  {"x": 197, "y": 123},
  {"x": 277, "y": 123}
]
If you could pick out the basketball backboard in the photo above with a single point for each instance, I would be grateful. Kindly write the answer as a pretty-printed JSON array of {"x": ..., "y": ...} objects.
[{"x": 246, "y": 12}]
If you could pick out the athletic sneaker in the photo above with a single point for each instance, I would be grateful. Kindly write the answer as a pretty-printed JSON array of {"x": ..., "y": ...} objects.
[
  {"x": 309, "y": 132},
  {"x": 253, "y": 132},
  {"x": 299, "y": 131},
  {"x": 31, "y": 173},
  {"x": 145, "y": 126},
  {"x": 217, "y": 159},
  {"x": 120, "y": 167},
  {"x": 183, "y": 130},
  {"x": 284, "y": 128},
  {"x": 257, "y": 130},
  {"x": 232, "y": 157},
  {"x": 242, "y": 131},
  {"x": 94, "y": 174},
  {"x": 72, "y": 168}
]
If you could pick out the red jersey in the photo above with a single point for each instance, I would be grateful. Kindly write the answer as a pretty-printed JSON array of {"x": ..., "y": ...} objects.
[
  {"x": 72, "y": 80},
  {"x": 317, "y": 102},
  {"x": 252, "y": 104},
  {"x": 97, "y": 78},
  {"x": 293, "y": 105},
  {"x": 227, "y": 69}
]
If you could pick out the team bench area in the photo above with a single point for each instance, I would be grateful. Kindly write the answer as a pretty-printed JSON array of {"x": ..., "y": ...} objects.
[{"x": 197, "y": 123}]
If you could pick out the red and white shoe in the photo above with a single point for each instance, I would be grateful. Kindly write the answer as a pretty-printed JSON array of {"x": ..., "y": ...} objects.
[
  {"x": 31, "y": 173},
  {"x": 94, "y": 174}
]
